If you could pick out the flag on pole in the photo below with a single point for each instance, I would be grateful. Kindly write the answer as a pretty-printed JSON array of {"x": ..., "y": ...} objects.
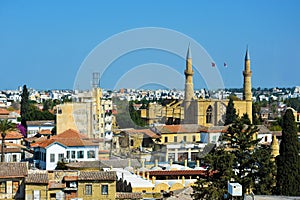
[{"x": 213, "y": 64}]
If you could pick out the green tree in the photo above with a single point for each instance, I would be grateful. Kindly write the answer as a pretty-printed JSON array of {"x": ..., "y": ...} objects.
[
  {"x": 5, "y": 126},
  {"x": 24, "y": 106},
  {"x": 230, "y": 112},
  {"x": 288, "y": 161},
  {"x": 243, "y": 159},
  {"x": 256, "y": 113},
  {"x": 61, "y": 166},
  {"x": 265, "y": 172},
  {"x": 245, "y": 119},
  {"x": 213, "y": 185},
  {"x": 294, "y": 103},
  {"x": 242, "y": 142}
]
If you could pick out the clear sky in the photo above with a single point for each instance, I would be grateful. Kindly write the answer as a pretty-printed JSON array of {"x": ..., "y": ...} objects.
[{"x": 43, "y": 43}]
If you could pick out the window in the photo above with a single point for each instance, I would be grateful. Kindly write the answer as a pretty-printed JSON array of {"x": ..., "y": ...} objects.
[
  {"x": 184, "y": 138},
  {"x": 166, "y": 139},
  {"x": 80, "y": 154},
  {"x": 14, "y": 158},
  {"x": 68, "y": 154},
  {"x": 60, "y": 157},
  {"x": 52, "y": 195},
  {"x": 131, "y": 143},
  {"x": 194, "y": 138},
  {"x": 104, "y": 189},
  {"x": 91, "y": 154},
  {"x": 73, "y": 184},
  {"x": 209, "y": 115},
  {"x": 73, "y": 155},
  {"x": 36, "y": 155},
  {"x": 88, "y": 189},
  {"x": 15, "y": 186},
  {"x": 36, "y": 195},
  {"x": 3, "y": 187},
  {"x": 52, "y": 157},
  {"x": 175, "y": 138}
]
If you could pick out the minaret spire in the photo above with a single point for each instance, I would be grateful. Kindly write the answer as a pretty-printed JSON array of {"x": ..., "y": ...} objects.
[
  {"x": 247, "y": 94},
  {"x": 247, "y": 56},
  {"x": 189, "y": 88}
]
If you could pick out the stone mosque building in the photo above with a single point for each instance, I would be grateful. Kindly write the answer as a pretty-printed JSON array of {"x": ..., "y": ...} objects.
[{"x": 193, "y": 110}]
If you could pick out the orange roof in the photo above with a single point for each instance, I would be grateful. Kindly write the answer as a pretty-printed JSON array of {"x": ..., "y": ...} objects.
[
  {"x": 147, "y": 132},
  {"x": 70, "y": 133},
  {"x": 69, "y": 137},
  {"x": 12, "y": 135},
  {"x": 182, "y": 128},
  {"x": 45, "y": 132},
  {"x": 4, "y": 111},
  {"x": 43, "y": 143}
]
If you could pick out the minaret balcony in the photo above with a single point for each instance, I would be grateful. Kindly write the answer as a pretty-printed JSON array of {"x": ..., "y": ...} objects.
[{"x": 188, "y": 73}]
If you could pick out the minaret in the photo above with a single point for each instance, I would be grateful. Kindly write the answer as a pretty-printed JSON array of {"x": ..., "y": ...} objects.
[
  {"x": 189, "y": 88},
  {"x": 247, "y": 95}
]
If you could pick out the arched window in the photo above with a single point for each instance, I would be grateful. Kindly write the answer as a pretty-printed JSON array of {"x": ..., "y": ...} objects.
[{"x": 209, "y": 115}]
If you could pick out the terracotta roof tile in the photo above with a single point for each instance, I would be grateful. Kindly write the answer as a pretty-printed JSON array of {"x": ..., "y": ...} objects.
[
  {"x": 127, "y": 195},
  {"x": 97, "y": 175},
  {"x": 12, "y": 135},
  {"x": 86, "y": 165},
  {"x": 71, "y": 133},
  {"x": 146, "y": 132},
  {"x": 70, "y": 178},
  {"x": 55, "y": 185},
  {"x": 11, "y": 150},
  {"x": 4, "y": 111},
  {"x": 20, "y": 170},
  {"x": 182, "y": 128},
  {"x": 45, "y": 132},
  {"x": 41, "y": 178},
  {"x": 176, "y": 172},
  {"x": 69, "y": 138}
]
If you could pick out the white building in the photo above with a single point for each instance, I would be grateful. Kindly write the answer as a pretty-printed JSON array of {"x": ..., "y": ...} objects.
[{"x": 69, "y": 146}]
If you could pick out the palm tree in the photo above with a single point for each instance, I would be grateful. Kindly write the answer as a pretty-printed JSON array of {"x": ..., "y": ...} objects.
[{"x": 5, "y": 126}]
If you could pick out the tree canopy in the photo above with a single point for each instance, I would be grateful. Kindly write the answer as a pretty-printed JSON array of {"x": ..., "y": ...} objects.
[
  {"x": 288, "y": 161},
  {"x": 230, "y": 112},
  {"x": 5, "y": 126},
  {"x": 241, "y": 158},
  {"x": 24, "y": 106}
]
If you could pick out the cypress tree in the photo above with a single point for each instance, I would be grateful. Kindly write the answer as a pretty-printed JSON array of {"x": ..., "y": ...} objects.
[
  {"x": 230, "y": 112},
  {"x": 288, "y": 161},
  {"x": 24, "y": 107}
]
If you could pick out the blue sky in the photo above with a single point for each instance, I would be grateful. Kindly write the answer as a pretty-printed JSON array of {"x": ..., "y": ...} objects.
[{"x": 43, "y": 44}]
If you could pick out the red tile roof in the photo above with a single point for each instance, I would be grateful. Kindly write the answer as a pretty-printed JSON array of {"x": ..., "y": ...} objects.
[
  {"x": 41, "y": 178},
  {"x": 19, "y": 170},
  {"x": 69, "y": 138},
  {"x": 11, "y": 150},
  {"x": 176, "y": 172},
  {"x": 147, "y": 132},
  {"x": 97, "y": 176},
  {"x": 4, "y": 111},
  {"x": 182, "y": 128},
  {"x": 70, "y": 178},
  {"x": 71, "y": 133},
  {"x": 45, "y": 132},
  {"x": 55, "y": 185},
  {"x": 128, "y": 195},
  {"x": 12, "y": 135}
]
